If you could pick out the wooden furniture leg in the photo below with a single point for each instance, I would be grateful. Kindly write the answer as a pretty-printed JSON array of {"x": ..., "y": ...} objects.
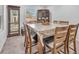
[{"x": 74, "y": 42}]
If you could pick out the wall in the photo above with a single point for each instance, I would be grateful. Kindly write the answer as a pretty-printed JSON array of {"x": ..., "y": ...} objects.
[
  {"x": 3, "y": 32},
  {"x": 66, "y": 12},
  {"x": 22, "y": 15},
  {"x": 58, "y": 12}
]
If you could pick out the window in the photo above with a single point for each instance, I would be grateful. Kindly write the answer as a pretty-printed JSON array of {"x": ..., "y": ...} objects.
[
  {"x": 1, "y": 16},
  {"x": 0, "y": 22}
]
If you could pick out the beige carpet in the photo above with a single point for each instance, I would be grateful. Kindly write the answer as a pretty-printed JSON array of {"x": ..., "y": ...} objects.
[{"x": 15, "y": 45}]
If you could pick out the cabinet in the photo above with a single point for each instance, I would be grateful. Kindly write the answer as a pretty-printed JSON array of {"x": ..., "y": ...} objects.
[{"x": 13, "y": 20}]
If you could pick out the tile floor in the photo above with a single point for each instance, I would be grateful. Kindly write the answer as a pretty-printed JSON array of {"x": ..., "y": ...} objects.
[{"x": 14, "y": 45}]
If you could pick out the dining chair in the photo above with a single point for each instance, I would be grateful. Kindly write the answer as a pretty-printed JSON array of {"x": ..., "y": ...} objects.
[
  {"x": 34, "y": 34},
  {"x": 28, "y": 43},
  {"x": 58, "y": 41},
  {"x": 72, "y": 32}
]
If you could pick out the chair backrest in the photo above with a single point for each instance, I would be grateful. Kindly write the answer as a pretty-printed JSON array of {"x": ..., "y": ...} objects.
[
  {"x": 60, "y": 35},
  {"x": 63, "y": 22},
  {"x": 56, "y": 22},
  {"x": 28, "y": 34},
  {"x": 60, "y": 22},
  {"x": 25, "y": 29},
  {"x": 28, "y": 40},
  {"x": 72, "y": 32}
]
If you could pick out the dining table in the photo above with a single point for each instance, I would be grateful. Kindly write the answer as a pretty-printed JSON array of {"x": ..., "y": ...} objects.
[{"x": 43, "y": 31}]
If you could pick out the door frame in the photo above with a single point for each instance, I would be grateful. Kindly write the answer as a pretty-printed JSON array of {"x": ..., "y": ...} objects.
[{"x": 15, "y": 8}]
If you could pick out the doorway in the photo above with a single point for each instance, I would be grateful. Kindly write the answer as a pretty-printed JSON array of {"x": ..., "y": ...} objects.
[{"x": 13, "y": 20}]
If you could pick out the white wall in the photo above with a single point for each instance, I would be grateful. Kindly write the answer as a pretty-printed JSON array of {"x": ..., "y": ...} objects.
[
  {"x": 58, "y": 12},
  {"x": 3, "y": 32},
  {"x": 66, "y": 12},
  {"x": 22, "y": 15}
]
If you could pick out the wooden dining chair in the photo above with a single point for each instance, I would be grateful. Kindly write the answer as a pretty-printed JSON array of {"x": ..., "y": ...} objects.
[
  {"x": 72, "y": 37},
  {"x": 58, "y": 41},
  {"x": 28, "y": 40}
]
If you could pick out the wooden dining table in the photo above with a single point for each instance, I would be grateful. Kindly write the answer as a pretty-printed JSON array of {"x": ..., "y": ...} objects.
[{"x": 44, "y": 31}]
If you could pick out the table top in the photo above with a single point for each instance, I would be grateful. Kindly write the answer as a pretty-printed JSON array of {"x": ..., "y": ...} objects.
[{"x": 40, "y": 27}]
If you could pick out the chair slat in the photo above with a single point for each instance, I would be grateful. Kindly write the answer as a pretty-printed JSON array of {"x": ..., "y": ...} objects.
[
  {"x": 61, "y": 22},
  {"x": 60, "y": 34}
]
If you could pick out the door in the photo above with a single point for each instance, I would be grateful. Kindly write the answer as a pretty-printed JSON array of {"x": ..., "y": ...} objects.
[{"x": 13, "y": 20}]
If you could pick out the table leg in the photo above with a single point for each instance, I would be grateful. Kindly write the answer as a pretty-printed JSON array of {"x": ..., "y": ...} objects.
[{"x": 40, "y": 45}]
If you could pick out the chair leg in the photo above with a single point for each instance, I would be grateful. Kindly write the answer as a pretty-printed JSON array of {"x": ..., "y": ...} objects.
[
  {"x": 25, "y": 50},
  {"x": 65, "y": 47},
  {"x": 52, "y": 50},
  {"x": 55, "y": 50},
  {"x": 40, "y": 48},
  {"x": 24, "y": 43},
  {"x": 24, "y": 40},
  {"x": 44, "y": 49},
  {"x": 30, "y": 49},
  {"x": 74, "y": 42}
]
